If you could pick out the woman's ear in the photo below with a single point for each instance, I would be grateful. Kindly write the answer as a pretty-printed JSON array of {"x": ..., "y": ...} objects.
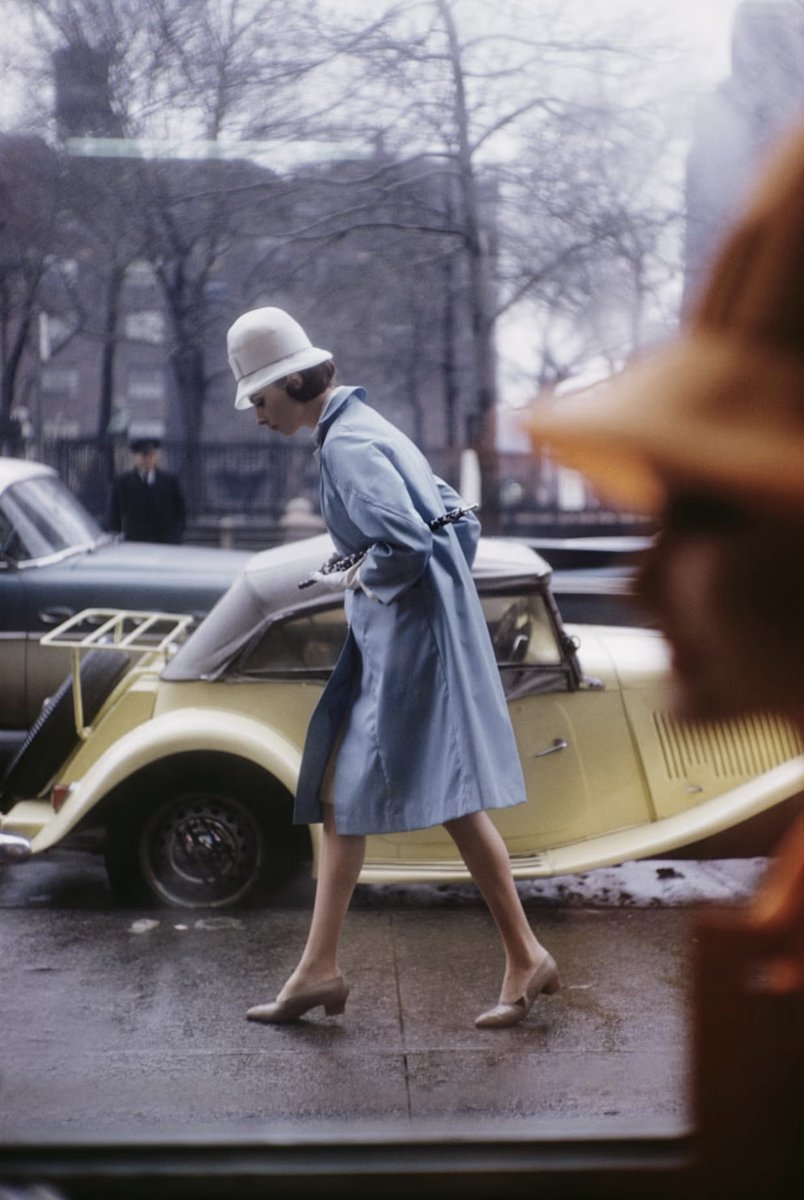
[{"x": 294, "y": 385}]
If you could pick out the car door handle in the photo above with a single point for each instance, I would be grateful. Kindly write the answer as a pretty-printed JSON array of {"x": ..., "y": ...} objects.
[
  {"x": 54, "y": 616},
  {"x": 558, "y": 744}
]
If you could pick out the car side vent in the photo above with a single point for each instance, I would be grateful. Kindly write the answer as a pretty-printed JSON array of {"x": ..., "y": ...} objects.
[{"x": 745, "y": 746}]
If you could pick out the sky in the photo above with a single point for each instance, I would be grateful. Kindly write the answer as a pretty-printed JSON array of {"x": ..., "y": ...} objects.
[
  {"x": 708, "y": 21},
  {"x": 705, "y": 25},
  {"x": 705, "y": 21}
]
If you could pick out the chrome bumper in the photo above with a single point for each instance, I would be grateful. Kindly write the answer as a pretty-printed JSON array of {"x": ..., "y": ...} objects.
[{"x": 13, "y": 848}]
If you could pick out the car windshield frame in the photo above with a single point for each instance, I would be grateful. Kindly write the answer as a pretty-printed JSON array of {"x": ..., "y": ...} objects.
[{"x": 47, "y": 521}]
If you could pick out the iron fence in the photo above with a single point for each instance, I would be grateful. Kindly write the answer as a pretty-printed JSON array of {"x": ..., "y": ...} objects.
[{"x": 240, "y": 491}]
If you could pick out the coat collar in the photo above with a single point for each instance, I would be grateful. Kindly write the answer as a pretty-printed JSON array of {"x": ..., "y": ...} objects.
[{"x": 334, "y": 406}]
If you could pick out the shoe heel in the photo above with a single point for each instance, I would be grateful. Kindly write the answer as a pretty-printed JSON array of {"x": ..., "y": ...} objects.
[
  {"x": 552, "y": 986},
  {"x": 335, "y": 1005},
  {"x": 552, "y": 983}
]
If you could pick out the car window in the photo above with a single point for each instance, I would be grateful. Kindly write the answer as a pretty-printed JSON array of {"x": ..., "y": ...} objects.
[
  {"x": 521, "y": 629},
  {"x": 42, "y": 517},
  {"x": 310, "y": 641},
  {"x": 10, "y": 545}
]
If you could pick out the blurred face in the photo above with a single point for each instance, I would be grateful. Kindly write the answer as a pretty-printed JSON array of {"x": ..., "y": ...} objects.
[
  {"x": 146, "y": 460},
  {"x": 728, "y": 588}
]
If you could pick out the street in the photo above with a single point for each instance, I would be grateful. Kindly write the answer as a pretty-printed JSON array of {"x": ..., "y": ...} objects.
[{"x": 128, "y": 1024}]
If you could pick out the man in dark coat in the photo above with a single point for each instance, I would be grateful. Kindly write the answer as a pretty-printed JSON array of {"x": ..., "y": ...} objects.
[{"x": 147, "y": 502}]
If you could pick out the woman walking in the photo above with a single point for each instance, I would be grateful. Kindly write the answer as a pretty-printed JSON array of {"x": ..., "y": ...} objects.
[{"x": 412, "y": 729}]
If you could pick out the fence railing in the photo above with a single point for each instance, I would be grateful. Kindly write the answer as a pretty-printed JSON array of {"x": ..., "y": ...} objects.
[{"x": 239, "y": 491}]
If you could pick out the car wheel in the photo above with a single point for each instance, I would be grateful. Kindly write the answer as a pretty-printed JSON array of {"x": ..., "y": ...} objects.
[
  {"x": 53, "y": 735},
  {"x": 206, "y": 844}
]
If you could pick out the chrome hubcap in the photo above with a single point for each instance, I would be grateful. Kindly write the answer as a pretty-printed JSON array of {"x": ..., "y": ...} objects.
[{"x": 203, "y": 850}]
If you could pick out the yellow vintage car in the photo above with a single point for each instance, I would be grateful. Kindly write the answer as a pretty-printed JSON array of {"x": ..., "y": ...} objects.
[{"x": 175, "y": 751}]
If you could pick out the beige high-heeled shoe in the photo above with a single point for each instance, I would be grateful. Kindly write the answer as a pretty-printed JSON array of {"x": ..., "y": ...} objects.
[
  {"x": 544, "y": 979},
  {"x": 331, "y": 994}
]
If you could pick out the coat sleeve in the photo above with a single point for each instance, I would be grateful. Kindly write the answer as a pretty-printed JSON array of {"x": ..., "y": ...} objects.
[
  {"x": 179, "y": 509},
  {"x": 114, "y": 515},
  {"x": 378, "y": 503}
]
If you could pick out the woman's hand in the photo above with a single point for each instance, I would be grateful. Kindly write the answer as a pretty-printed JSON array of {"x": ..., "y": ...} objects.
[{"x": 339, "y": 580}]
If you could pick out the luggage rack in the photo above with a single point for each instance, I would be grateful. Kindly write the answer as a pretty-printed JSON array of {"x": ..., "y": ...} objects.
[{"x": 114, "y": 629}]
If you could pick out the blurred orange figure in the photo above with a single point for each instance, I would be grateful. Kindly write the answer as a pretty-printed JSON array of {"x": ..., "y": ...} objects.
[{"x": 708, "y": 435}]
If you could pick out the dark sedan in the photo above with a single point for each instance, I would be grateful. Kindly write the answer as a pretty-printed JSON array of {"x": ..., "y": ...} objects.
[{"x": 55, "y": 560}]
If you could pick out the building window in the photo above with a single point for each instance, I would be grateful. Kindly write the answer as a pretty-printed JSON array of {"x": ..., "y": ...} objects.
[
  {"x": 54, "y": 332},
  {"x": 62, "y": 381},
  {"x": 145, "y": 384},
  {"x": 67, "y": 268},
  {"x": 59, "y": 428},
  {"x": 148, "y": 325},
  {"x": 139, "y": 272}
]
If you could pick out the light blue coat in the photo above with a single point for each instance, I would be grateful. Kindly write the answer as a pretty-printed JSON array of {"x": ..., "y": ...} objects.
[{"x": 416, "y": 689}]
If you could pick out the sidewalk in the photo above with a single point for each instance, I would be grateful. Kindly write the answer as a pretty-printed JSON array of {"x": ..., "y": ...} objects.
[
  {"x": 126, "y": 1024},
  {"x": 127, "y": 1067}
]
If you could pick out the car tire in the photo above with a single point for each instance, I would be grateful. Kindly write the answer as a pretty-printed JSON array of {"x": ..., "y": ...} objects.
[
  {"x": 53, "y": 735},
  {"x": 203, "y": 840}
]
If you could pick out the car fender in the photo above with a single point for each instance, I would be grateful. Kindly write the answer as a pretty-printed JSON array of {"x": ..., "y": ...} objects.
[
  {"x": 202, "y": 729},
  {"x": 652, "y": 839}
]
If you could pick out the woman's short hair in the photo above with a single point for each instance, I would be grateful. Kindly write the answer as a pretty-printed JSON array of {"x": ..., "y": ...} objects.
[{"x": 314, "y": 381}]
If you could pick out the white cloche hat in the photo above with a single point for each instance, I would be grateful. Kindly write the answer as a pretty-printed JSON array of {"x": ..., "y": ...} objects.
[{"x": 264, "y": 345}]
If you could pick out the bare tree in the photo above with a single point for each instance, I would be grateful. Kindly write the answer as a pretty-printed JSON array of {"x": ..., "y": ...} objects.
[
  {"x": 169, "y": 79},
  {"x": 31, "y": 244},
  {"x": 484, "y": 100},
  {"x": 492, "y": 171},
  {"x": 592, "y": 242}
]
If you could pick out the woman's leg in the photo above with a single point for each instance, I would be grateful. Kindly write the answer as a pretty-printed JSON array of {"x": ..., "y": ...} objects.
[
  {"x": 483, "y": 850},
  {"x": 340, "y": 860}
]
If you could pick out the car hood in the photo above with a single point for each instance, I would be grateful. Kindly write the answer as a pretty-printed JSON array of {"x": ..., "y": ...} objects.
[
  {"x": 622, "y": 656},
  {"x": 144, "y": 575},
  {"x": 167, "y": 561}
]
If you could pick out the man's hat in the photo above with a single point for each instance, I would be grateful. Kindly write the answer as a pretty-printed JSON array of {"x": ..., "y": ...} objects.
[
  {"x": 722, "y": 409},
  {"x": 264, "y": 345},
  {"x": 144, "y": 445}
]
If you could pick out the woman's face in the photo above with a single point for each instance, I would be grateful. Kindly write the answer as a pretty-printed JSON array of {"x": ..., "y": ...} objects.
[
  {"x": 728, "y": 588},
  {"x": 276, "y": 409}
]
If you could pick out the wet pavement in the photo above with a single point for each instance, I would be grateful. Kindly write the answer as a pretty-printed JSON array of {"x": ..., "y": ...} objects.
[
  {"x": 131, "y": 1024},
  {"x": 126, "y": 1032}
]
